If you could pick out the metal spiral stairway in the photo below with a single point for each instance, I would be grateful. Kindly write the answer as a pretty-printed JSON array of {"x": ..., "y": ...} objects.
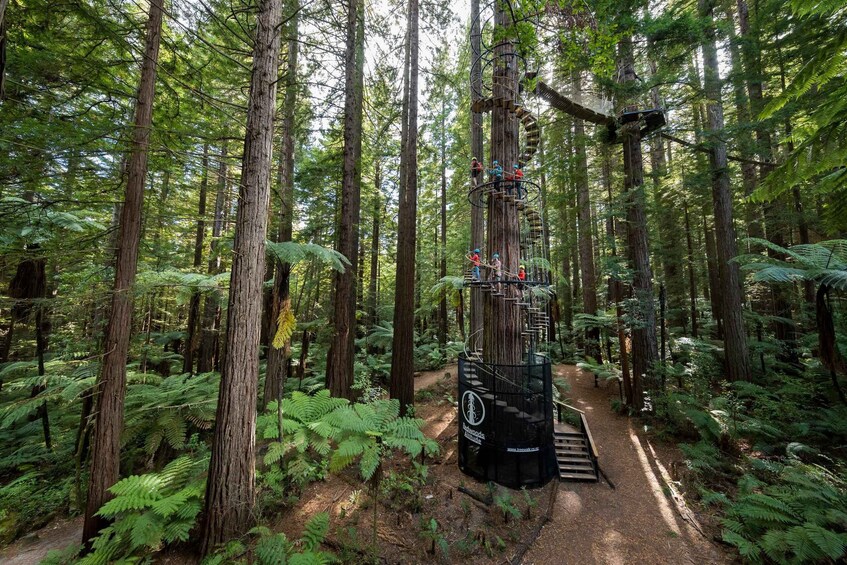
[{"x": 508, "y": 431}]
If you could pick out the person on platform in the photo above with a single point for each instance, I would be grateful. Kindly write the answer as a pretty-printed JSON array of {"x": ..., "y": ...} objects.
[
  {"x": 496, "y": 172},
  {"x": 496, "y": 269},
  {"x": 517, "y": 177},
  {"x": 476, "y": 171},
  {"x": 521, "y": 278},
  {"x": 475, "y": 260}
]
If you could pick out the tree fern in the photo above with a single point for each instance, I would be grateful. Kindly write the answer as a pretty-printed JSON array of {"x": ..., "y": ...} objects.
[
  {"x": 293, "y": 252},
  {"x": 150, "y": 510}
]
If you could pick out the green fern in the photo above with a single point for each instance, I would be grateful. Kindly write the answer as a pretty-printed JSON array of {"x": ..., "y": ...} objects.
[{"x": 150, "y": 510}]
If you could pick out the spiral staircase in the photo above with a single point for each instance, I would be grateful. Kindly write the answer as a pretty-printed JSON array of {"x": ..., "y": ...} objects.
[{"x": 509, "y": 433}]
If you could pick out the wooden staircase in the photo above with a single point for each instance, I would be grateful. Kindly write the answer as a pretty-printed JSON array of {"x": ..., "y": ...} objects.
[{"x": 576, "y": 454}]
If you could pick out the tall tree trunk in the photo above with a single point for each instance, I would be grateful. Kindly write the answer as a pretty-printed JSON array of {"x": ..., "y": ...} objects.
[
  {"x": 374, "y": 261},
  {"x": 111, "y": 384},
  {"x": 735, "y": 337},
  {"x": 783, "y": 324},
  {"x": 402, "y": 352},
  {"x": 552, "y": 305},
  {"x": 230, "y": 489},
  {"x": 442, "y": 308},
  {"x": 714, "y": 284},
  {"x": 277, "y": 365},
  {"x": 339, "y": 366},
  {"x": 191, "y": 341},
  {"x": 210, "y": 326},
  {"x": 692, "y": 283},
  {"x": 586, "y": 246},
  {"x": 502, "y": 340},
  {"x": 644, "y": 343},
  {"x": 477, "y": 219}
]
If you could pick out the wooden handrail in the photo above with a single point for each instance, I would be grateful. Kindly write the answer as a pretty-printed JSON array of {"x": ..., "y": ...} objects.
[
  {"x": 587, "y": 431},
  {"x": 568, "y": 406}
]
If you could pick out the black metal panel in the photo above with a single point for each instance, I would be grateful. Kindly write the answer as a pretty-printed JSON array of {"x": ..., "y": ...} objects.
[{"x": 506, "y": 422}]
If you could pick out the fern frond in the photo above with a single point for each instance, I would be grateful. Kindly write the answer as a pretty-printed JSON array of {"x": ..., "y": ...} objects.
[{"x": 285, "y": 325}]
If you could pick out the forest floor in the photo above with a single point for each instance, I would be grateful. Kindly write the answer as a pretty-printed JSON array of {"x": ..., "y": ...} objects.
[{"x": 642, "y": 520}]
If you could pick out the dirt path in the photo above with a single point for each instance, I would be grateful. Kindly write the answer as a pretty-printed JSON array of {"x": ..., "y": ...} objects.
[
  {"x": 428, "y": 378},
  {"x": 32, "y": 548},
  {"x": 635, "y": 523}
]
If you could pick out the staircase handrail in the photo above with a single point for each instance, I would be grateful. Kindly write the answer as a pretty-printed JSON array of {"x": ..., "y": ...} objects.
[{"x": 583, "y": 425}]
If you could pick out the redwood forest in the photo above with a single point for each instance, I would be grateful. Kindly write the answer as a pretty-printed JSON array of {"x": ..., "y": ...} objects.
[{"x": 384, "y": 281}]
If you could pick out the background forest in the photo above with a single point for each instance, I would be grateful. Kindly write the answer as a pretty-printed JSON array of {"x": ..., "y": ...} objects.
[{"x": 226, "y": 223}]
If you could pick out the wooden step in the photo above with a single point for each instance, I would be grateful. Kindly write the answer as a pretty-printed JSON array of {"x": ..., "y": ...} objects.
[{"x": 578, "y": 476}]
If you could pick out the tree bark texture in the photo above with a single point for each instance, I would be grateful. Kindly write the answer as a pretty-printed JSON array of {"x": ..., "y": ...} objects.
[
  {"x": 191, "y": 341},
  {"x": 210, "y": 326},
  {"x": 442, "y": 305},
  {"x": 339, "y": 367},
  {"x": 586, "y": 248},
  {"x": 402, "y": 353},
  {"x": 230, "y": 488},
  {"x": 502, "y": 340},
  {"x": 735, "y": 337},
  {"x": 111, "y": 384},
  {"x": 644, "y": 344},
  {"x": 277, "y": 365},
  {"x": 477, "y": 216}
]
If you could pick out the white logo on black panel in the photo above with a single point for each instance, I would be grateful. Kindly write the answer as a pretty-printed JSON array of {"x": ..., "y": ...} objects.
[{"x": 472, "y": 408}]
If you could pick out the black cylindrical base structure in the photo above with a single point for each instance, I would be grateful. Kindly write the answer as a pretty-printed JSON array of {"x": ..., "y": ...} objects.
[{"x": 506, "y": 422}]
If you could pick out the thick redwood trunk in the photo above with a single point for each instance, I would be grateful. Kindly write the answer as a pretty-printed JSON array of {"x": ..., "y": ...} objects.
[
  {"x": 644, "y": 343},
  {"x": 339, "y": 366},
  {"x": 735, "y": 337},
  {"x": 277, "y": 364},
  {"x": 442, "y": 306},
  {"x": 477, "y": 220},
  {"x": 230, "y": 489},
  {"x": 402, "y": 353},
  {"x": 502, "y": 340},
  {"x": 191, "y": 341},
  {"x": 586, "y": 247},
  {"x": 111, "y": 384},
  {"x": 207, "y": 357}
]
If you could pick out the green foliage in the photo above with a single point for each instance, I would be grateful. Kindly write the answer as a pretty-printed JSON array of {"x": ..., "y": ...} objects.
[
  {"x": 165, "y": 411},
  {"x": 503, "y": 501},
  {"x": 152, "y": 510},
  {"x": 274, "y": 548},
  {"x": 430, "y": 531},
  {"x": 798, "y": 516},
  {"x": 293, "y": 252},
  {"x": 824, "y": 262}
]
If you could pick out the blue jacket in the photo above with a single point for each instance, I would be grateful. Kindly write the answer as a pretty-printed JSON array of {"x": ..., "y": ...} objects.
[{"x": 497, "y": 172}]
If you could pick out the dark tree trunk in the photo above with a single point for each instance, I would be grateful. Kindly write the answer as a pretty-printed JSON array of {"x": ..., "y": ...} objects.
[
  {"x": 692, "y": 282},
  {"x": 191, "y": 341},
  {"x": 339, "y": 366},
  {"x": 277, "y": 364},
  {"x": 230, "y": 488},
  {"x": 210, "y": 326},
  {"x": 442, "y": 307},
  {"x": 552, "y": 305},
  {"x": 111, "y": 384},
  {"x": 735, "y": 336},
  {"x": 783, "y": 324},
  {"x": 502, "y": 340},
  {"x": 644, "y": 345},
  {"x": 714, "y": 279},
  {"x": 373, "y": 299},
  {"x": 402, "y": 352},
  {"x": 477, "y": 220},
  {"x": 586, "y": 246}
]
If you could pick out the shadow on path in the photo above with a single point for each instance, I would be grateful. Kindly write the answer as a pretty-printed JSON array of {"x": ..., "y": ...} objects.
[{"x": 638, "y": 522}]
